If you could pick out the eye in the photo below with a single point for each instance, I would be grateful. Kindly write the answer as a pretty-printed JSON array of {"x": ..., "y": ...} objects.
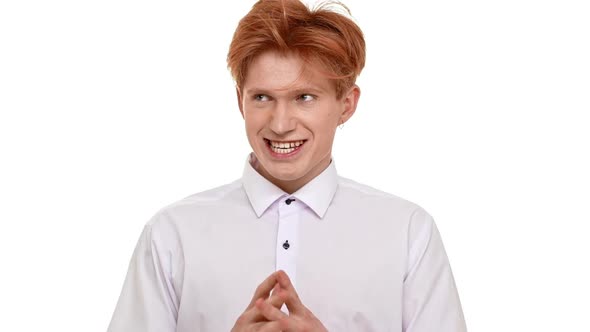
[
  {"x": 261, "y": 97},
  {"x": 306, "y": 97}
]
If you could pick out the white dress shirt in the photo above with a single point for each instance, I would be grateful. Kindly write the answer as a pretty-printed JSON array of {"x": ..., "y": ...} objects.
[{"x": 360, "y": 259}]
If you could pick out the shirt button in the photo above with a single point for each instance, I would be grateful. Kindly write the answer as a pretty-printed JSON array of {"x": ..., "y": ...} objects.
[
  {"x": 289, "y": 201},
  {"x": 286, "y": 245}
]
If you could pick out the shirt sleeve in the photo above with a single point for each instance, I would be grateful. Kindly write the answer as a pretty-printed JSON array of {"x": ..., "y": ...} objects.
[
  {"x": 148, "y": 301},
  {"x": 431, "y": 301}
]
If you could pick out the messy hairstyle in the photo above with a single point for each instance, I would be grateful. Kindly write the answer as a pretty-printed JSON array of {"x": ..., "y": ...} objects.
[{"x": 319, "y": 35}]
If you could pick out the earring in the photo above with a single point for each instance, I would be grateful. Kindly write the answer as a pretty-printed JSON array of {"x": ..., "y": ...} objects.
[{"x": 341, "y": 125}]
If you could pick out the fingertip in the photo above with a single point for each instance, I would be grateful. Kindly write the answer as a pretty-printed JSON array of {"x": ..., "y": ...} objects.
[{"x": 283, "y": 279}]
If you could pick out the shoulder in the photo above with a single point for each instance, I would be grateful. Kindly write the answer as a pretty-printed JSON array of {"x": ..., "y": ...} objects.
[
  {"x": 406, "y": 216},
  {"x": 205, "y": 203},
  {"x": 219, "y": 195},
  {"x": 387, "y": 212},
  {"x": 354, "y": 191}
]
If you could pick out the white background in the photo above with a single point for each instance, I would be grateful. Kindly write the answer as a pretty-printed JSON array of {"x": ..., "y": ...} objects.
[{"x": 476, "y": 110}]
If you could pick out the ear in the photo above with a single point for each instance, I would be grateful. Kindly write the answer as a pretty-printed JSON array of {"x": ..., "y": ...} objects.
[
  {"x": 239, "y": 96},
  {"x": 350, "y": 101}
]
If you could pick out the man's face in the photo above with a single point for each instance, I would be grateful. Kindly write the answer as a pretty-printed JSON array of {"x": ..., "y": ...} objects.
[{"x": 291, "y": 117}]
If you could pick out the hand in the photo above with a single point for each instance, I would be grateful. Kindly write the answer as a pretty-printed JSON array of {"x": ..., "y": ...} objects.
[
  {"x": 252, "y": 319},
  {"x": 300, "y": 319}
]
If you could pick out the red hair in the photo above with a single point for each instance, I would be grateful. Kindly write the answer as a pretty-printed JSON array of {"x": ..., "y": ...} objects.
[{"x": 318, "y": 35}]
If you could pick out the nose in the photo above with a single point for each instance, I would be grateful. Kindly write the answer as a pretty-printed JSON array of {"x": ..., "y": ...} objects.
[{"x": 282, "y": 120}]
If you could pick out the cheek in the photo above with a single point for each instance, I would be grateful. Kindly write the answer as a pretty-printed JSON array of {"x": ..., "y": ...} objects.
[
  {"x": 333, "y": 116},
  {"x": 252, "y": 122},
  {"x": 257, "y": 120}
]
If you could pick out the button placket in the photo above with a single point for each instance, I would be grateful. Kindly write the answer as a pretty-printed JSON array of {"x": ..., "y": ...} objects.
[{"x": 286, "y": 250}]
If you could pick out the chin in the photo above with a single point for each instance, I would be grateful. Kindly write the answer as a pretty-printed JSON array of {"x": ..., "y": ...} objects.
[{"x": 284, "y": 175}]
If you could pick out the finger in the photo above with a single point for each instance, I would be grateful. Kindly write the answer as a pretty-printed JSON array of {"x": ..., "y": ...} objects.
[
  {"x": 288, "y": 294},
  {"x": 263, "y": 290},
  {"x": 275, "y": 289},
  {"x": 269, "y": 327},
  {"x": 269, "y": 311},
  {"x": 253, "y": 314},
  {"x": 275, "y": 298}
]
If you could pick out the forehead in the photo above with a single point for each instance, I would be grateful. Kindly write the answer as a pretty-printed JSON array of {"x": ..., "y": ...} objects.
[{"x": 272, "y": 71}]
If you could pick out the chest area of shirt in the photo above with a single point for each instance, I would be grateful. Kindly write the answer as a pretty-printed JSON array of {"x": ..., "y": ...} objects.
[{"x": 347, "y": 275}]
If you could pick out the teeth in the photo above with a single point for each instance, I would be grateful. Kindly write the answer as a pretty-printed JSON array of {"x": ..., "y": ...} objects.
[
  {"x": 284, "y": 147},
  {"x": 283, "y": 151}
]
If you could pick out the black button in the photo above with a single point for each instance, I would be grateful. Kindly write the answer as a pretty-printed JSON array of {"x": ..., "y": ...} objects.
[
  {"x": 289, "y": 200},
  {"x": 286, "y": 245}
]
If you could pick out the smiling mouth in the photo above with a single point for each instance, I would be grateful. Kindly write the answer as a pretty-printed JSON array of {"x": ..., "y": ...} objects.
[{"x": 284, "y": 147}]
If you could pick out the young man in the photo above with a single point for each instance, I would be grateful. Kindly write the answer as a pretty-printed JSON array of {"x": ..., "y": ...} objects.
[{"x": 291, "y": 246}]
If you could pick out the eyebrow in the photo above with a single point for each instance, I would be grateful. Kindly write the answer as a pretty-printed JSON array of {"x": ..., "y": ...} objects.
[{"x": 295, "y": 91}]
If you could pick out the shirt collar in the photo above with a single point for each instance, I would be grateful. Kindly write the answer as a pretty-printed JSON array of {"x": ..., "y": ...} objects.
[{"x": 317, "y": 194}]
